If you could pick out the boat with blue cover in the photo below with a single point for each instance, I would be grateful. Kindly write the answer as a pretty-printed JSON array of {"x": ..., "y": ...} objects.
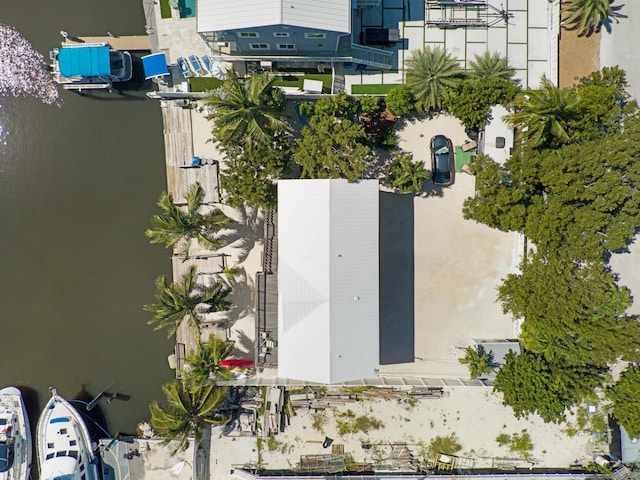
[
  {"x": 90, "y": 66},
  {"x": 15, "y": 436},
  {"x": 63, "y": 443}
]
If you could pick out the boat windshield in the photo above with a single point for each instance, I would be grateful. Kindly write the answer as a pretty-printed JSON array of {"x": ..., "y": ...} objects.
[
  {"x": 59, "y": 468},
  {"x": 6, "y": 457}
]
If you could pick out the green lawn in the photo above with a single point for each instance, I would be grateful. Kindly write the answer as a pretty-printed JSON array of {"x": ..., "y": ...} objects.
[
  {"x": 202, "y": 84},
  {"x": 375, "y": 89},
  {"x": 284, "y": 80},
  {"x": 165, "y": 9}
]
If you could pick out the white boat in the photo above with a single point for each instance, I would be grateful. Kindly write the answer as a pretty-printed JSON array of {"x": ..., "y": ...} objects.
[
  {"x": 90, "y": 66},
  {"x": 64, "y": 444},
  {"x": 15, "y": 436}
]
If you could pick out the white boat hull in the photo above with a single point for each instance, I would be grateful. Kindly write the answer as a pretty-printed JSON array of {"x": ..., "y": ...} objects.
[
  {"x": 64, "y": 444},
  {"x": 16, "y": 435}
]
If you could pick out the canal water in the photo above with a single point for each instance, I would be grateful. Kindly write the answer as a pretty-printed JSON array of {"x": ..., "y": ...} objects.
[{"x": 78, "y": 183}]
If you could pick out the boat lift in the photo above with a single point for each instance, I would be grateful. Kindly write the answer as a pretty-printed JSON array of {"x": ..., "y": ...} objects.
[{"x": 463, "y": 13}]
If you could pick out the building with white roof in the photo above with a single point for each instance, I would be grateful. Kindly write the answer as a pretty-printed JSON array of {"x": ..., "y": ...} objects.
[
  {"x": 496, "y": 140},
  {"x": 328, "y": 285}
]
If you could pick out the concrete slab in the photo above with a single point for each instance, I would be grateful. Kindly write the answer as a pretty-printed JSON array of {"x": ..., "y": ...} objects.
[
  {"x": 539, "y": 49},
  {"x": 434, "y": 35},
  {"x": 517, "y": 29},
  {"x": 474, "y": 49},
  {"x": 537, "y": 17},
  {"x": 456, "y": 43},
  {"x": 392, "y": 77},
  {"x": 512, "y": 5},
  {"x": 497, "y": 40},
  {"x": 627, "y": 265},
  {"x": 518, "y": 55},
  {"x": 478, "y": 35},
  {"x": 535, "y": 73},
  {"x": 615, "y": 46}
]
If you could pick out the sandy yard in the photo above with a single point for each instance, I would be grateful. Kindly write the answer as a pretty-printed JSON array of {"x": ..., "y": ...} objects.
[
  {"x": 474, "y": 414},
  {"x": 457, "y": 265}
]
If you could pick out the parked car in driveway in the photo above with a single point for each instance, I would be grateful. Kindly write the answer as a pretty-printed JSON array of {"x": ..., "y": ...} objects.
[{"x": 443, "y": 165}]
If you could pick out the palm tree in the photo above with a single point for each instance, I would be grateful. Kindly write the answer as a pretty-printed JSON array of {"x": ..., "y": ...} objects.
[
  {"x": 247, "y": 112},
  {"x": 407, "y": 176},
  {"x": 175, "y": 224},
  {"x": 490, "y": 65},
  {"x": 189, "y": 407},
  {"x": 543, "y": 114},
  {"x": 588, "y": 16},
  {"x": 431, "y": 73},
  {"x": 206, "y": 360},
  {"x": 478, "y": 360},
  {"x": 179, "y": 300}
]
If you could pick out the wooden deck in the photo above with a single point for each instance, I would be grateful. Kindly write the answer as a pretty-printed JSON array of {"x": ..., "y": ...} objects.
[
  {"x": 131, "y": 42},
  {"x": 178, "y": 142}
]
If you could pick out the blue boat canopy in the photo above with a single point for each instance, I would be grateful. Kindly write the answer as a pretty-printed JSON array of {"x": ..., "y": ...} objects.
[
  {"x": 155, "y": 65},
  {"x": 84, "y": 61}
]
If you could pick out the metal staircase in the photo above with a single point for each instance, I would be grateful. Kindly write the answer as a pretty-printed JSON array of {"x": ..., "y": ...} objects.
[{"x": 374, "y": 57}]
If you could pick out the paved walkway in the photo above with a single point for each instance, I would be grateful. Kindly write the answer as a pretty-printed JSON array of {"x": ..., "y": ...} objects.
[{"x": 619, "y": 47}]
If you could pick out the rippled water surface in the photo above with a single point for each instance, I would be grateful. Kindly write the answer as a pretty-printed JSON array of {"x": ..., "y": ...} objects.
[{"x": 79, "y": 178}]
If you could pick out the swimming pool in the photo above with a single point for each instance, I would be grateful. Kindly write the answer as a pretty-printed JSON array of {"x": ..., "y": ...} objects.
[{"x": 187, "y": 8}]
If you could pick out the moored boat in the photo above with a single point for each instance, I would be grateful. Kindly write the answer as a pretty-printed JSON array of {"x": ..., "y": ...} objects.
[
  {"x": 64, "y": 444},
  {"x": 15, "y": 436},
  {"x": 90, "y": 66}
]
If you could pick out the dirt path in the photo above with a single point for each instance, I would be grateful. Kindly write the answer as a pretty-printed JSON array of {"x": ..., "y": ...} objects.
[{"x": 578, "y": 57}]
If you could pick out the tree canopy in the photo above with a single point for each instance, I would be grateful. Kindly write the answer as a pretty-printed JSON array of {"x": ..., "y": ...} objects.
[
  {"x": 188, "y": 407},
  {"x": 478, "y": 360},
  {"x": 580, "y": 201},
  {"x": 407, "y": 176},
  {"x": 625, "y": 395},
  {"x": 177, "y": 224},
  {"x": 572, "y": 189},
  {"x": 589, "y": 16},
  {"x": 400, "y": 100},
  {"x": 543, "y": 114},
  {"x": 181, "y": 299},
  {"x": 334, "y": 143},
  {"x": 471, "y": 100},
  {"x": 490, "y": 65},
  {"x": 249, "y": 177},
  {"x": 560, "y": 299},
  {"x": 247, "y": 112},
  {"x": 431, "y": 73},
  {"x": 530, "y": 384}
]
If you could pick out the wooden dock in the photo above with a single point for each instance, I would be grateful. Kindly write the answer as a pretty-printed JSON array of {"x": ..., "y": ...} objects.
[{"x": 130, "y": 42}]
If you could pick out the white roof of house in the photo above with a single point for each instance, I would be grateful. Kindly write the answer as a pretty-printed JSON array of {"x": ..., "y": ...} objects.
[
  {"x": 495, "y": 129},
  {"x": 328, "y": 280},
  {"x": 221, "y": 15}
]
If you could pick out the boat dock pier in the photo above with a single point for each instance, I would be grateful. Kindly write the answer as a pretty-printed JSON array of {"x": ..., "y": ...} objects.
[{"x": 130, "y": 42}]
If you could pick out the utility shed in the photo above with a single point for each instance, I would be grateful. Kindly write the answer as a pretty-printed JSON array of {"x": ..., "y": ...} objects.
[{"x": 328, "y": 280}]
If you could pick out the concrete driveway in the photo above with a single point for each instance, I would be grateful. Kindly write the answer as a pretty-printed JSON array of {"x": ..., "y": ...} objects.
[
  {"x": 616, "y": 47},
  {"x": 457, "y": 266}
]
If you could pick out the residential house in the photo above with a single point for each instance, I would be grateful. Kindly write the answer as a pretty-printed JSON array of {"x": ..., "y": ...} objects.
[{"x": 313, "y": 32}]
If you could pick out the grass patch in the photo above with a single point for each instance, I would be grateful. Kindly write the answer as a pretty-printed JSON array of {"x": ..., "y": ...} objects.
[
  {"x": 296, "y": 81},
  {"x": 319, "y": 421},
  {"x": 350, "y": 423},
  {"x": 203, "y": 84},
  {"x": 375, "y": 89},
  {"x": 165, "y": 9}
]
